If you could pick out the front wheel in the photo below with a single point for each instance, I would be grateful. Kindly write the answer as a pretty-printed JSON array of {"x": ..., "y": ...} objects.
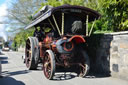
[
  {"x": 49, "y": 64},
  {"x": 84, "y": 65}
]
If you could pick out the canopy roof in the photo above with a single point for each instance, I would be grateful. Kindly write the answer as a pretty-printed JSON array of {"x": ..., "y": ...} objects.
[{"x": 78, "y": 10}]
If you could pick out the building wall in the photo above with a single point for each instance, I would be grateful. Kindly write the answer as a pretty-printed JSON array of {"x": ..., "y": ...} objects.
[
  {"x": 109, "y": 54},
  {"x": 1, "y": 42},
  {"x": 21, "y": 49}
]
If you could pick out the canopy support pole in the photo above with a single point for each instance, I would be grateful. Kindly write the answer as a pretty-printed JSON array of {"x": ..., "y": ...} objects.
[
  {"x": 62, "y": 23},
  {"x": 51, "y": 24},
  {"x": 92, "y": 27},
  {"x": 87, "y": 25},
  {"x": 56, "y": 25}
]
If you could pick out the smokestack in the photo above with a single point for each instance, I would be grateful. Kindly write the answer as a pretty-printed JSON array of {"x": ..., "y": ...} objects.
[{"x": 4, "y": 36}]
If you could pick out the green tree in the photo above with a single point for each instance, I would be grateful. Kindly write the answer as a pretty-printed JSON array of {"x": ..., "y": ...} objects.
[
  {"x": 116, "y": 14},
  {"x": 19, "y": 14},
  {"x": 21, "y": 38}
]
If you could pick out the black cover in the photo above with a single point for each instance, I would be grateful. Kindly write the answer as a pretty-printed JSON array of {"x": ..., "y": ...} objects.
[{"x": 83, "y": 11}]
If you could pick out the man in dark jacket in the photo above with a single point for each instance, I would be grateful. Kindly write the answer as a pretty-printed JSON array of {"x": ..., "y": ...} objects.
[{"x": 0, "y": 70}]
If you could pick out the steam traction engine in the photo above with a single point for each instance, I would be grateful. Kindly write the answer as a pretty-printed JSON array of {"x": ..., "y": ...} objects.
[{"x": 59, "y": 39}]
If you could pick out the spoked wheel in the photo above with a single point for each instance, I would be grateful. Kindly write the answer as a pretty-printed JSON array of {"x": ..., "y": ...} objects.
[
  {"x": 31, "y": 53},
  {"x": 85, "y": 64},
  {"x": 49, "y": 64}
]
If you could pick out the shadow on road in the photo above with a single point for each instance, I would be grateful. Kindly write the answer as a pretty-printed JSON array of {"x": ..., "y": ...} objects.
[
  {"x": 10, "y": 81},
  {"x": 63, "y": 76},
  {"x": 95, "y": 75},
  {"x": 2, "y": 53},
  {"x": 7, "y": 74},
  {"x": 4, "y": 59}
]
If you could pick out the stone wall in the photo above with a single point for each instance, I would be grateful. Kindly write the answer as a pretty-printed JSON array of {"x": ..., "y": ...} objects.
[{"x": 109, "y": 54}]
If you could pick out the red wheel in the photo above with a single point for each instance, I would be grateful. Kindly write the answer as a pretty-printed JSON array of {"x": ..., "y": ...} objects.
[
  {"x": 31, "y": 54},
  {"x": 49, "y": 65}
]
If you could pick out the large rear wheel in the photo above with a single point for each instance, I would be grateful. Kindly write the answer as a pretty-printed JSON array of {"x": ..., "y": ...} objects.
[
  {"x": 36, "y": 50},
  {"x": 49, "y": 64},
  {"x": 31, "y": 53}
]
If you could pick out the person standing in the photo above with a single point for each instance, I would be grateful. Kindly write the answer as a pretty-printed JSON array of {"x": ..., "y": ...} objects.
[{"x": 1, "y": 70}]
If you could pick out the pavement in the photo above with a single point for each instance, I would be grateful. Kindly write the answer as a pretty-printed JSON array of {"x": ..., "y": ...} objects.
[{"x": 16, "y": 73}]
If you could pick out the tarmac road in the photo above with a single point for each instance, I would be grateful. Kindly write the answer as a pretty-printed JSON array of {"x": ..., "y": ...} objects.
[{"x": 16, "y": 73}]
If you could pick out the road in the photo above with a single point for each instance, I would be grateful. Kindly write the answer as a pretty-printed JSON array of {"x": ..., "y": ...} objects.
[{"x": 16, "y": 73}]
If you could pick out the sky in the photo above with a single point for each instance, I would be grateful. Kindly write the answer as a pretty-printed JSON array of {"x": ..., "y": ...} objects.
[
  {"x": 3, "y": 13},
  {"x": 2, "y": 1}
]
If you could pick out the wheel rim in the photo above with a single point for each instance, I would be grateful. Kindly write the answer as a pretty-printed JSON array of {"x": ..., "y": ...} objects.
[
  {"x": 83, "y": 70},
  {"x": 47, "y": 66},
  {"x": 28, "y": 54},
  {"x": 84, "y": 65}
]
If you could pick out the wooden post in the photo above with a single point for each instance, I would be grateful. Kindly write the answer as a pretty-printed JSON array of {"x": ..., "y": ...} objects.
[
  {"x": 51, "y": 24},
  {"x": 62, "y": 23},
  {"x": 56, "y": 25},
  {"x": 87, "y": 25},
  {"x": 92, "y": 27}
]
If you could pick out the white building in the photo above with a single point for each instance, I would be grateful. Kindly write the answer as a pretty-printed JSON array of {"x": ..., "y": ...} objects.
[{"x": 1, "y": 42}]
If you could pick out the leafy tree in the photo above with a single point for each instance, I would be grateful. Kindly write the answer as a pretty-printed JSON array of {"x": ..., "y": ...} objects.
[
  {"x": 19, "y": 13},
  {"x": 19, "y": 16},
  {"x": 21, "y": 38},
  {"x": 116, "y": 14}
]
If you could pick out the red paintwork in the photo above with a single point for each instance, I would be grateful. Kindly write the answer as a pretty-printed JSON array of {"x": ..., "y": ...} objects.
[
  {"x": 78, "y": 39},
  {"x": 70, "y": 48},
  {"x": 48, "y": 39},
  {"x": 45, "y": 44},
  {"x": 41, "y": 50}
]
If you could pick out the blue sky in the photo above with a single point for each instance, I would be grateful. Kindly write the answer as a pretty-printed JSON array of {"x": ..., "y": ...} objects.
[{"x": 2, "y": 1}]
